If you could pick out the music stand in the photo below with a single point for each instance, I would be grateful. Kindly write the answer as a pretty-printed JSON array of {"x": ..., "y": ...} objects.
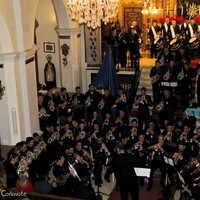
[{"x": 99, "y": 194}]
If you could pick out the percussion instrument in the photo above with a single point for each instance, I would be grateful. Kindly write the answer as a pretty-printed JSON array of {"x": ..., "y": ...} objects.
[
  {"x": 194, "y": 43},
  {"x": 174, "y": 44},
  {"x": 158, "y": 42}
]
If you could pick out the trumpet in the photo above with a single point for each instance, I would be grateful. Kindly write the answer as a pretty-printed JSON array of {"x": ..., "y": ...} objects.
[
  {"x": 54, "y": 137},
  {"x": 194, "y": 161},
  {"x": 80, "y": 159},
  {"x": 181, "y": 75},
  {"x": 137, "y": 145},
  {"x": 168, "y": 136},
  {"x": 67, "y": 134},
  {"x": 160, "y": 106},
  {"x": 122, "y": 98}
]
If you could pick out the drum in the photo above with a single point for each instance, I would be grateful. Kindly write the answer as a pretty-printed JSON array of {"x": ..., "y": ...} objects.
[
  {"x": 158, "y": 42},
  {"x": 174, "y": 44},
  {"x": 194, "y": 43}
]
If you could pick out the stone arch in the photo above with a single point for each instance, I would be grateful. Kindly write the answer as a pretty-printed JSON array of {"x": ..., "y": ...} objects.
[{"x": 5, "y": 39}]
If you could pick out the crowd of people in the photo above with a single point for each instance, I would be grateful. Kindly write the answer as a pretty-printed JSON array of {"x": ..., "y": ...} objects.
[{"x": 82, "y": 133}]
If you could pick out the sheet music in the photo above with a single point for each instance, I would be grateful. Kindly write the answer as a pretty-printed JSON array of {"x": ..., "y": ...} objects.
[
  {"x": 142, "y": 172},
  {"x": 169, "y": 161}
]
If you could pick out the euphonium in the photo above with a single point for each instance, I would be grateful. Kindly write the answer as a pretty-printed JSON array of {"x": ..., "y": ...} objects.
[
  {"x": 181, "y": 75},
  {"x": 101, "y": 104},
  {"x": 88, "y": 101},
  {"x": 53, "y": 137},
  {"x": 166, "y": 76},
  {"x": 155, "y": 79},
  {"x": 160, "y": 106}
]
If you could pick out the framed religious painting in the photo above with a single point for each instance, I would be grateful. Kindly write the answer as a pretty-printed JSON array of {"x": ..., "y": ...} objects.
[{"x": 49, "y": 47}]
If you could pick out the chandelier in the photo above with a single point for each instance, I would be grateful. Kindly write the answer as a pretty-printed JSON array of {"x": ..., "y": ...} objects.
[
  {"x": 92, "y": 12},
  {"x": 149, "y": 8}
]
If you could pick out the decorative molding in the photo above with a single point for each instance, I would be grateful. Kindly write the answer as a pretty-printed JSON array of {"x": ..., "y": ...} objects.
[
  {"x": 29, "y": 60},
  {"x": 65, "y": 37},
  {"x": 2, "y": 89},
  {"x": 65, "y": 51},
  {"x": 67, "y": 31}
]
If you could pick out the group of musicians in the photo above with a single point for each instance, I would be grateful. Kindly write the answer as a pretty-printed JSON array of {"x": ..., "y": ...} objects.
[
  {"x": 172, "y": 34},
  {"x": 87, "y": 132}
]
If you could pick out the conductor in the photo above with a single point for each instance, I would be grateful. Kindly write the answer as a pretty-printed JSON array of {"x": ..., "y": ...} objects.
[{"x": 123, "y": 167}]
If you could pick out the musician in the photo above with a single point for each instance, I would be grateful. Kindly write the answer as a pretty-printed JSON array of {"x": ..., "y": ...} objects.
[
  {"x": 123, "y": 167},
  {"x": 185, "y": 82},
  {"x": 174, "y": 30},
  {"x": 11, "y": 170},
  {"x": 50, "y": 106},
  {"x": 108, "y": 101},
  {"x": 198, "y": 84},
  {"x": 152, "y": 35},
  {"x": 78, "y": 102},
  {"x": 144, "y": 102},
  {"x": 114, "y": 42},
  {"x": 30, "y": 143},
  {"x": 134, "y": 25},
  {"x": 123, "y": 46},
  {"x": 63, "y": 103},
  {"x": 157, "y": 161},
  {"x": 165, "y": 28},
  {"x": 155, "y": 74},
  {"x": 44, "y": 117},
  {"x": 92, "y": 100},
  {"x": 134, "y": 47},
  {"x": 120, "y": 102},
  {"x": 169, "y": 107}
]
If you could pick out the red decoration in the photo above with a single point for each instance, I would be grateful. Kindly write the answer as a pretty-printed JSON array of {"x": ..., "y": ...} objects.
[
  {"x": 161, "y": 19},
  {"x": 180, "y": 19},
  {"x": 197, "y": 19}
]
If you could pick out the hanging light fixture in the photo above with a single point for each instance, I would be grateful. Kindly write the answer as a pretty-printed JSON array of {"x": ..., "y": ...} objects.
[
  {"x": 149, "y": 8},
  {"x": 92, "y": 12}
]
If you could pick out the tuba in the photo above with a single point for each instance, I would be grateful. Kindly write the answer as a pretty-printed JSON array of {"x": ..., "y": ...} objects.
[
  {"x": 160, "y": 106},
  {"x": 166, "y": 76},
  {"x": 181, "y": 75},
  {"x": 155, "y": 79}
]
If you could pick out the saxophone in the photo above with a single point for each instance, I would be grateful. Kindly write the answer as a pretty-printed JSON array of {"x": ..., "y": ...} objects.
[
  {"x": 160, "y": 106},
  {"x": 181, "y": 75}
]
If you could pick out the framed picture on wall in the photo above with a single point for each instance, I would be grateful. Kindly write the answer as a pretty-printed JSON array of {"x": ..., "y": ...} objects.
[{"x": 49, "y": 47}]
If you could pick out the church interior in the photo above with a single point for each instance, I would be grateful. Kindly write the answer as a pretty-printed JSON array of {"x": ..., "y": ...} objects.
[{"x": 64, "y": 44}]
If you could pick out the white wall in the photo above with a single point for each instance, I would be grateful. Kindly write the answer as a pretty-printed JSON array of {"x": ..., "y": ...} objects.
[{"x": 45, "y": 33}]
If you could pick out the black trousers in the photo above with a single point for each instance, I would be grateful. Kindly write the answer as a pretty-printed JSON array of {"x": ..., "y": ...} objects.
[{"x": 130, "y": 188}]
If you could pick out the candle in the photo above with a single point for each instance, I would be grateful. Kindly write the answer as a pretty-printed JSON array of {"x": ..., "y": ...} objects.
[
  {"x": 181, "y": 10},
  {"x": 199, "y": 10},
  {"x": 167, "y": 10},
  {"x": 175, "y": 10}
]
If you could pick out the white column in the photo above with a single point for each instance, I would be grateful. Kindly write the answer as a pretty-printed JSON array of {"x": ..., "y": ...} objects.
[
  {"x": 70, "y": 73},
  {"x": 19, "y": 112}
]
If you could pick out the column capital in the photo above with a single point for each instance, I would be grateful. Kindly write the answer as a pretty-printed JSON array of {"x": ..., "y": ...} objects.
[
  {"x": 10, "y": 57},
  {"x": 67, "y": 31}
]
